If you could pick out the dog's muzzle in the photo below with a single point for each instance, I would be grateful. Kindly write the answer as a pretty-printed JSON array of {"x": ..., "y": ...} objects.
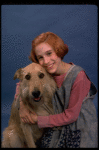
[{"x": 36, "y": 96}]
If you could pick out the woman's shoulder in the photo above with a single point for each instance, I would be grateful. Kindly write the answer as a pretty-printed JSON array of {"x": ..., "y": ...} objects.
[
  {"x": 81, "y": 75},
  {"x": 74, "y": 72}
]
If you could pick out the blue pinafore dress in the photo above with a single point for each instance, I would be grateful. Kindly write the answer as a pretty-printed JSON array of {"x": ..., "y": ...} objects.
[{"x": 79, "y": 134}]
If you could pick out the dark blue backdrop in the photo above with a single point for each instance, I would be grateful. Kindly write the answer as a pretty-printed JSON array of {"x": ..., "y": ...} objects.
[{"x": 75, "y": 24}]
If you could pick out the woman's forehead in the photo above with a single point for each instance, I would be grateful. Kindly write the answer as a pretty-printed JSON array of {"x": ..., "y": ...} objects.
[{"x": 42, "y": 48}]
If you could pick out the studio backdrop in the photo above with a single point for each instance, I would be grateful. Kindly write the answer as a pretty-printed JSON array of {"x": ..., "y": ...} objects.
[{"x": 20, "y": 24}]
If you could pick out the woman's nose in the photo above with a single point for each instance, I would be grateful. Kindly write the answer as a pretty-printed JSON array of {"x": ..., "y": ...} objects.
[{"x": 46, "y": 60}]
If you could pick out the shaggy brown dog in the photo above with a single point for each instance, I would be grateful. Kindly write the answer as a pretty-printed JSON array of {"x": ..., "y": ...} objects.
[{"x": 36, "y": 90}]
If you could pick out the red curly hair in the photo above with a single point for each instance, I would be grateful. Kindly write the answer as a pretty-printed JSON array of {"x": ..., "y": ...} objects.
[{"x": 53, "y": 40}]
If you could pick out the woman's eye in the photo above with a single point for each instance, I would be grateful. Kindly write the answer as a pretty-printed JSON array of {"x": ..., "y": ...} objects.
[
  {"x": 49, "y": 53},
  {"x": 40, "y": 57}
]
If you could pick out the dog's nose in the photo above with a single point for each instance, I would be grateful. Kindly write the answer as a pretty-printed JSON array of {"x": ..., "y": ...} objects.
[{"x": 36, "y": 94}]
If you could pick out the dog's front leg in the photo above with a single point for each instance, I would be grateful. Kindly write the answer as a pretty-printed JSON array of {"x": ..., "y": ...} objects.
[{"x": 28, "y": 135}]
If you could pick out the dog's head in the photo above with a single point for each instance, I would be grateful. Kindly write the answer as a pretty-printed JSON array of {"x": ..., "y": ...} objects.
[{"x": 36, "y": 83}]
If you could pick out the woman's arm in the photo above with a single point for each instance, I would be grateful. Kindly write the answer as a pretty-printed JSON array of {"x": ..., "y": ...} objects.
[
  {"x": 79, "y": 91},
  {"x": 26, "y": 115},
  {"x": 17, "y": 90}
]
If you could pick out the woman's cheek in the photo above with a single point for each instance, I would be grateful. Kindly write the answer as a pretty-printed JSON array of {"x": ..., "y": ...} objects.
[{"x": 40, "y": 62}]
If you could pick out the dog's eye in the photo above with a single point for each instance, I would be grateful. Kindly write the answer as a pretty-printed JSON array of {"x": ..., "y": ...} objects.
[
  {"x": 27, "y": 77},
  {"x": 41, "y": 75}
]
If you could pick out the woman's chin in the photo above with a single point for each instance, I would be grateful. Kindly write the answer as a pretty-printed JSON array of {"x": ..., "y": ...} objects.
[{"x": 51, "y": 71}]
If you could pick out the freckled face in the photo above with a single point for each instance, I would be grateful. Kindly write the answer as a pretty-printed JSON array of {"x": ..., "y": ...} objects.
[{"x": 47, "y": 58}]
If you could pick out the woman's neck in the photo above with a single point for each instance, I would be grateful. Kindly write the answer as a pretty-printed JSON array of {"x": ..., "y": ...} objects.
[{"x": 62, "y": 68}]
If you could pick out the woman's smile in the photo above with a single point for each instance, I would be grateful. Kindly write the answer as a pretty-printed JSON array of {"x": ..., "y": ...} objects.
[{"x": 50, "y": 66}]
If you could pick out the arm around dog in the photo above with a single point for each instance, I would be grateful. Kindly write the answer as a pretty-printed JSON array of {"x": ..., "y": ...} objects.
[
  {"x": 80, "y": 88},
  {"x": 26, "y": 116}
]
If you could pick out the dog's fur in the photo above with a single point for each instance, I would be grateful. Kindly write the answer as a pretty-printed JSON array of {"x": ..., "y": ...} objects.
[{"x": 33, "y": 78}]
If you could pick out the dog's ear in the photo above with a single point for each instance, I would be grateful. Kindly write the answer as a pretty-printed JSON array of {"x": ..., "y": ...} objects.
[{"x": 18, "y": 74}]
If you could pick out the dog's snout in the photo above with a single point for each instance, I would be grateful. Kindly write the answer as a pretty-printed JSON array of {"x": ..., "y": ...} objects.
[{"x": 36, "y": 94}]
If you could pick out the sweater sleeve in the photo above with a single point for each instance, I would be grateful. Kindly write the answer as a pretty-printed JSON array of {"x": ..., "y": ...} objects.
[
  {"x": 17, "y": 90},
  {"x": 79, "y": 91}
]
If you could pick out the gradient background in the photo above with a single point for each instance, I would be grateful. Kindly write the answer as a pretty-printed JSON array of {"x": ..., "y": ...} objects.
[{"x": 75, "y": 24}]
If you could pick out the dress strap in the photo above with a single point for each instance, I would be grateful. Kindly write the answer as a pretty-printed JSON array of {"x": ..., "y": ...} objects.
[{"x": 69, "y": 71}]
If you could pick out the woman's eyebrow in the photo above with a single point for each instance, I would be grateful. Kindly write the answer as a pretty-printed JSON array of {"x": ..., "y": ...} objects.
[
  {"x": 48, "y": 51},
  {"x": 39, "y": 55},
  {"x": 45, "y": 53}
]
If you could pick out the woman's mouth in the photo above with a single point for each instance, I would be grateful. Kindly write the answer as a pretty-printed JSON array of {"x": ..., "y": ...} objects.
[{"x": 50, "y": 66}]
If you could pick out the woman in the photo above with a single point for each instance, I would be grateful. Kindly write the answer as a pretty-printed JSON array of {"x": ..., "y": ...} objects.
[{"x": 74, "y": 110}]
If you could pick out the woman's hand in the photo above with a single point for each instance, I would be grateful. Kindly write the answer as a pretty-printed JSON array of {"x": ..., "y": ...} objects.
[{"x": 27, "y": 116}]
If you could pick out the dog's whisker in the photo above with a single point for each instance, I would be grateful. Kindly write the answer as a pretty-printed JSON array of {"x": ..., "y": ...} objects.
[
  {"x": 24, "y": 90},
  {"x": 47, "y": 109},
  {"x": 11, "y": 132}
]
